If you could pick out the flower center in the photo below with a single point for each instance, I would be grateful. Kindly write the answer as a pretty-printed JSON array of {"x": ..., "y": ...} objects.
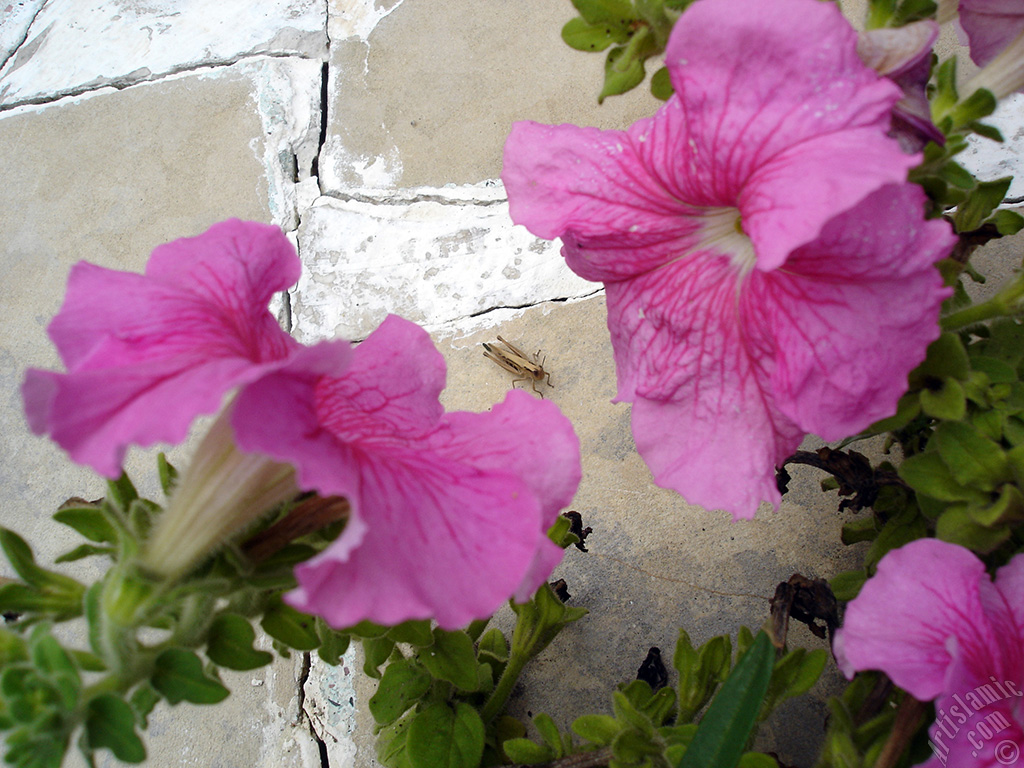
[{"x": 722, "y": 231}]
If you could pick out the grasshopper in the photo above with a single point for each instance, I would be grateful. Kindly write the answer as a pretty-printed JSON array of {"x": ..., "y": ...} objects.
[{"x": 513, "y": 359}]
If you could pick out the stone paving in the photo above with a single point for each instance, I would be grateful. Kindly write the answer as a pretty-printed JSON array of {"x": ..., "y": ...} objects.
[{"x": 372, "y": 133}]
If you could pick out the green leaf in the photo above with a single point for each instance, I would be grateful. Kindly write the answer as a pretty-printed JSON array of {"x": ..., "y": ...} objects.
[
  {"x": 725, "y": 727},
  {"x": 980, "y": 203},
  {"x": 392, "y": 742},
  {"x": 946, "y": 401},
  {"x": 956, "y": 526},
  {"x": 286, "y": 625},
  {"x": 946, "y": 358},
  {"x": 1007, "y": 508},
  {"x": 142, "y": 701},
  {"x": 979, "y": 104},
  {"x": 661, "y": 85},
  {"x": 929, "y": 475},
  {"x": 973, "y": 460},
  {"x": 452, "y": 658},
  {"x": 83, "y": 551},
  {"x": 599, "y": 729},
  {"x": 168, "y": 474},
  {"x": 846, "y": 585},
  {"x": 862, "y": 529},
  {"x": 945, "y": 89},
  {"x": 179, "y": 676},
  {"x": 583, "y": 36},
  {"x": 1008, "y": 222},
  {"x": 525, "y": 752},
  {"x": 20, "y": 598},
  {"x": 90, "y": 521},
  {"x": 403, "y": 684},
  {"x": 416, "y": 632},
  {"x": 549, "y": 733},
  {"x": 897, "y": 531},
  {"x": 956, "y": 175},
  {"x": 110, "y": 723},
  {"x": 602, "y": 11},
  {"x": 988, "y": 131},
  {"x": 376, "y": 650},
  {"x": 20, "y": 556},
  {"x": 493, "y": 645},
  {"x": 757, "y": 760},
  {"x": 230, "y": 643},
  {"x": 333, "y": 644},
  {"x": 623, "y": 71},
  {"x": 121, "y": 493},
  {"x": 442, "y": 737}
]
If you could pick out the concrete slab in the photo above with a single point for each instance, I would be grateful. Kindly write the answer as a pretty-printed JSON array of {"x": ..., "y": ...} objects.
[
  {"x": 74, "y": 47},
  {"x": 430, "y": 262},
  {"x": 422, "y": 98}
]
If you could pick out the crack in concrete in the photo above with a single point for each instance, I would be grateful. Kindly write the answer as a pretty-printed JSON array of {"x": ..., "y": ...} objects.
[
  {"x": 530, "y": 305},
  {"x": 28, "y": 29},
  {"x": 325, "y": 761},
  {"x": 407, "y": 197},
  {"x": 119, "y": 83}
]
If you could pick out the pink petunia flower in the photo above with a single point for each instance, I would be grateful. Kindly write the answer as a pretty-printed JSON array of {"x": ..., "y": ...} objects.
[
  {"x": 934, "y": 622},
  {"x": 769, "y": 273},
  {"x": 449, "y": 511},
  {"x": 146, "y": 354},
  {"x": 904, "y": 56},
  {"x": 995, "y": 31}
]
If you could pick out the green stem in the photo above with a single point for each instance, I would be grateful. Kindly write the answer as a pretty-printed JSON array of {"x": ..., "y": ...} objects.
[
  {"x": 1003, "y": 304},
  {"x": 499, "y": 696}
]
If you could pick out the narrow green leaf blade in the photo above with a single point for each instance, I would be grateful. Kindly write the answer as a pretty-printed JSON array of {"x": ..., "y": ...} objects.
[{"x": 723, "y": 731}]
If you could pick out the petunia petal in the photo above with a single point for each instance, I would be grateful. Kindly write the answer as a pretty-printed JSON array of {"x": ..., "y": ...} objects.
[
  {"x": 596, "y": 190},
  {"x": 449, "y": 512},
  {"x": 442, "y": 540},
  {"x": 991, "y": 25},
  {"x": 146, "y": 354},
  {"x": 846, "y": 343},
  {"x": 920, "y": 610},
  {"x": 768, "y": 109},
  {"x": 698, "y": 378}
]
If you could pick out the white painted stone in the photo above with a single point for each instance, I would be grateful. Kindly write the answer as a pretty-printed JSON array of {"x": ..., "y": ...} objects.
[
  {"x": 287, "y": 96},
  {"x": 73, "y": 46},
  {"x": 15, "y": 18},
  {"x": 429, "y": 262},
  {"x": 330, "y": 704},
  {"x": 988, "y": 159},
  {"x": 356, "y": 18}
]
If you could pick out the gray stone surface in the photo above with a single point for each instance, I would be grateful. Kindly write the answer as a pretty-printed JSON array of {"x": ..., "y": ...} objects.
[{"x": 422, "y": 98}]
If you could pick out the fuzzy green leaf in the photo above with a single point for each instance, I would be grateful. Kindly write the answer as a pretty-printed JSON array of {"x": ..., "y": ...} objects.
[
  {"x": 230, "y": 644},
  {"x": 286, "y": 625},
  {"x": 442, "y": 737},
  {"x": 599, "y": 729},
  {"x": 403, "y": 684},
  {"x": 452, "y": 658},
  {"x": 110, "y": 724},
  {"x": 583, "y": 36},
  {"x": 89, "y": 521},
  {"x": 179, "y": 676},
  {"x": 973, "y": 460}
]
